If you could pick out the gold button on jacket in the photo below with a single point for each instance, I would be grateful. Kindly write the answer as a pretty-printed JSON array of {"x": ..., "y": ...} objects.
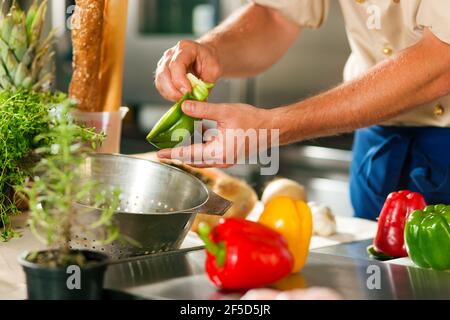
[
  {"x": 439, "y": 110},
  {"x": 387, "y": 51},
  {"x": 377, "y": 29}
]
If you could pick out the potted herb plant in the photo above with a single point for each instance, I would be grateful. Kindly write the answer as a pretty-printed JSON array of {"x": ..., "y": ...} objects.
[{"x": 57, "y": 185}]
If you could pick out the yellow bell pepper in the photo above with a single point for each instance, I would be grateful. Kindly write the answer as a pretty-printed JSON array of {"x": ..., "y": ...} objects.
[{"x": 293, "y": 219}]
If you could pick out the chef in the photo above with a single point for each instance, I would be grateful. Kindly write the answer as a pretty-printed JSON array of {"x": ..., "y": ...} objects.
[{"x": 395, "y": 92}]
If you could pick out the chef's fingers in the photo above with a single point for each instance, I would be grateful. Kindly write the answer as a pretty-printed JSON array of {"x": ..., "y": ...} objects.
[
  {"x": 189, "y": 56},
  {"x": 171, "y": 80},
  {"x": 184, "y": 154},
  {"x": 207, "y": 65},
  {"x": 165, "y": 87},
  {"x": 179, "y": 66},
  {"x": 208, "y": 155},
  {"x": 209, "y": 166},
  {"x": 163, "y": 80},
  {"x": 205, "y": 110}
]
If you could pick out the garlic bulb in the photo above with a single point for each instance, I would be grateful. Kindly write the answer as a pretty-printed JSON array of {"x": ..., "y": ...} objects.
[{"x": 324, "y": 222}]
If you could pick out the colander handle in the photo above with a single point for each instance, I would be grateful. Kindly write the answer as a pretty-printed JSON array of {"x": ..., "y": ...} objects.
[{"x": 215, "y": 206}]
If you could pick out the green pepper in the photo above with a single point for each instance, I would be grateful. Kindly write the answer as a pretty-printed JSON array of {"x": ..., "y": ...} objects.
[
  {"x": 427, "y": 237},
  {"x": 175, "y": 126}
]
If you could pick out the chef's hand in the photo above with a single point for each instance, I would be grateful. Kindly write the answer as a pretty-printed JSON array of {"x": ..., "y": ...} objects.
[
  {"x": 218, "y": 151},
  {"x": 186, "y": 56}
]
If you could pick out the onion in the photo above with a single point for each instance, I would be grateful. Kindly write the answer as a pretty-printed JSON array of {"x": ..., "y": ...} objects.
[{"x": 284, "y": 188}]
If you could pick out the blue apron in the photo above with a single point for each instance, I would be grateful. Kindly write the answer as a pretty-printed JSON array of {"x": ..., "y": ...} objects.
[{"x": 387, "y": 159}]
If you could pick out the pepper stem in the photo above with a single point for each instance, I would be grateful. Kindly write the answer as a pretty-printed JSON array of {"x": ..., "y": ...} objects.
[
  {"x": 216, "y": 249},
  {"x": 378, "y": 255},
  {"x": 200, "y": 89}
]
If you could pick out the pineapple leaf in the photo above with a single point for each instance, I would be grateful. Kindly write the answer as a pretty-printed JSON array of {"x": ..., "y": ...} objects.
[
  {"x": 29, "y": 55},
  {"x": 11, "y": 62},
  {"x": 17, "y": 14},
  {"x": 21, "y": 74},
  {"x": 2, "y": 70},
  {"x": 37, "y": 66},
  {"x": 5, "y": 77},
  {"x": 27, "y": 82},
  {"x": 2, "y": 9},
  {"x": 44, "y": 82},
  {"x": 6, "y": 27},
  {"x": 4, "y": 48},
  {"x": 48, "y": 41},
  {"x": 18, "y": 39},
  {"x": 24, "y": 53},
  {"x": 5, "y": 82},
  {"x": 38, "y": 22},
  {"x": 31, "y": 14},
  {"x": 40, "y": 61}
]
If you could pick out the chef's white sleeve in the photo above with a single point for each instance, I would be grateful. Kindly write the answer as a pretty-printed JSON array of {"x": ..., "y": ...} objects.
[
  {"x": 307, "y": 13},
  {"x": 435, "y": 15}
]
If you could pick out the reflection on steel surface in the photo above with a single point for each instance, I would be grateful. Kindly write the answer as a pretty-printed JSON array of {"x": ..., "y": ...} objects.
[{"x": 181, "y": 276}]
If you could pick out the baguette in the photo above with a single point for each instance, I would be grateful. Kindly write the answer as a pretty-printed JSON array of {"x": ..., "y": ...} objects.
[
  {"x": 87, "y": 36},
  {"x": 113, "y": 54}
]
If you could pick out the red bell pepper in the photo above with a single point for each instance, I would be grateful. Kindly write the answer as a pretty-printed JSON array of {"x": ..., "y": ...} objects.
[
  {"x": 244, "y": 255},
  {"x": 389, "y": 241}
]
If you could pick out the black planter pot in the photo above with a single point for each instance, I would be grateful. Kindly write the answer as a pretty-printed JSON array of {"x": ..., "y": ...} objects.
[{"x": 44, "y": 283}]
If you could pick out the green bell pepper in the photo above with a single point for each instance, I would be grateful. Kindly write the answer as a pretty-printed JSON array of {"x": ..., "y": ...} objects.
[
  {"x": 175, "y": 126},
  {"x": 427, "y": 237}
]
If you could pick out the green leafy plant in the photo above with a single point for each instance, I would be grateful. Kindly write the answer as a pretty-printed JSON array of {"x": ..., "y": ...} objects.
[
  {"x": 58, "y": 184},
  {"x": 26, "y": 71},
  {"x": 23, "y": 116}
]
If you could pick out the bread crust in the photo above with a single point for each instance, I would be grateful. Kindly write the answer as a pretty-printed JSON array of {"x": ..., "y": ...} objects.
[
  {"x": 242, "y": 195},
  {"x": 113, "y": 54},
  {"x": 87, "y": 36}
]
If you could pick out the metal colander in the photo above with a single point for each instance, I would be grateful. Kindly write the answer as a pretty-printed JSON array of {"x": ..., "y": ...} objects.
[{"x": 157, "y": 208}]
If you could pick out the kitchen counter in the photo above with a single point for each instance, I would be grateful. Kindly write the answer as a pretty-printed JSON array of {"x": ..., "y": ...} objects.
[
  {"x": 181, "y": 276},
  {"x": 338, "y": 262}
]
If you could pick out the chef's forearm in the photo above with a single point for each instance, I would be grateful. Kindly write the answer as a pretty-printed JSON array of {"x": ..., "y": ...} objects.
[
  {"x": 251, "y": 40},
  {"x": 416, "y": 76}
]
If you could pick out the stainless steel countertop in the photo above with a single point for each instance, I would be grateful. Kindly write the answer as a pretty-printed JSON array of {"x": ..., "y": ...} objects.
[
  {"x": 357, "y": 250},
  {"x": 180, "y": 275}
]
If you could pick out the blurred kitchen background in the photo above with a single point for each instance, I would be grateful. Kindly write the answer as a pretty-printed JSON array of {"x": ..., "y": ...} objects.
[{"x": 315, "y": 63}]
